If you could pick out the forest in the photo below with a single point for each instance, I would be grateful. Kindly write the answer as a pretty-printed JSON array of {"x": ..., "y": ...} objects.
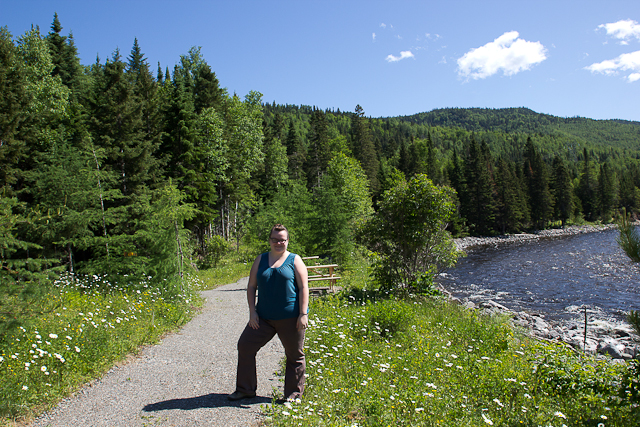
[{"x": 115, "y": 168}]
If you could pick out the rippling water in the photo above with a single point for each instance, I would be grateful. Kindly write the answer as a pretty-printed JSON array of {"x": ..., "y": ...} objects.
[{"x": 550, "y": 276}]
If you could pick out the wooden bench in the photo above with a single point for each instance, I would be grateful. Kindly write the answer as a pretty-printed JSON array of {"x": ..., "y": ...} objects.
[{"x": 320, "y": 273}]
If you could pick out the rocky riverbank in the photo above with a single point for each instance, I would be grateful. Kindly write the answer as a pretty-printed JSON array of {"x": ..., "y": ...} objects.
[
  {"x": 604, "y": 335},
  {"x": 470, "y": 242}
]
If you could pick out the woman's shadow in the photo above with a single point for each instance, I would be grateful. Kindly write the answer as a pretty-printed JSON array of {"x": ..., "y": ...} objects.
[{"x": 212, "y": 400}]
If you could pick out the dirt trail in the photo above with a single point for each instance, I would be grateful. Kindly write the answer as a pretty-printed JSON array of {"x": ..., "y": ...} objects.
[{"x": 183, "y": 381}]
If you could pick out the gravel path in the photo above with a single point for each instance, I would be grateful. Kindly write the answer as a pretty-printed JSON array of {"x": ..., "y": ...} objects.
[{"x": 183, "y": 381}]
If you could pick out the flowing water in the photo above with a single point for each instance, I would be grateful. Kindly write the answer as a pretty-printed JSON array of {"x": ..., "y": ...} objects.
[{"x": 552, "y": 276}]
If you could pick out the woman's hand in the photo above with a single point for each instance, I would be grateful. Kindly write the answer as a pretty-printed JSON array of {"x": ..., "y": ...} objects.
[
  {"x": 303, "y": 321},
  {"x": 254, "y": 320}
]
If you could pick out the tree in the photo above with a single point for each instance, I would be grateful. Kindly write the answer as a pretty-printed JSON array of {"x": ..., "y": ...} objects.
[
  {"x": 14, "y": 112},
  {"x": 296, "y": 152},
  {"x": 409, "y": 234},
  {"x": 562, "y": 191},
  {"x": 629, "y": 238},
  {"x": 587, "y": 188},
  {"x": 343, "y": 204},
  {"x": 478, "y": 201},
  {"x": 607, "y": 194},
  {"x": 364, "y": 148},
  {"x": 116, "y": 125},
  {"x": 318, "y": 152},
  {"x": 510, "y": 216},
  {"x": 537, "y": 180}
]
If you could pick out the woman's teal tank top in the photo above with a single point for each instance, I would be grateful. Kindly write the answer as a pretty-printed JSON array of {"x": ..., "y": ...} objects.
[{"x": 277, "y": 290}]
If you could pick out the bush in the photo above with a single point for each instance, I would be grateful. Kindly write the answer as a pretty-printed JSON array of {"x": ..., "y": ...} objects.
[
  {"x": 216, "y": 247},
  {"x": 408, "y": 234}
]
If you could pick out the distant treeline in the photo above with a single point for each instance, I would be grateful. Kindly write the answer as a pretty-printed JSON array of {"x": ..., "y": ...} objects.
[
  {"x": 513, "y": 169},
  {"x": 113, "y": 167}
]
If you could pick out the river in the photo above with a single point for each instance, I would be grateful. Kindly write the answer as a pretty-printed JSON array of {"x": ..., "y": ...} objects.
[{"x": 551, "y": 276}]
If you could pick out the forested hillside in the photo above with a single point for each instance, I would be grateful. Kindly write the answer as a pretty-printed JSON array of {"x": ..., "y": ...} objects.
[{"x": 121, "y": 167}]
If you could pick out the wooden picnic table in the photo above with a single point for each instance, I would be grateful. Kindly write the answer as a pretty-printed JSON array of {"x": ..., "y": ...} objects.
[{"x": 319, "y": 273}]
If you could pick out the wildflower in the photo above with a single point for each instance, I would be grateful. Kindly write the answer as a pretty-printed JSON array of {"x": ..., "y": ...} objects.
[
  {"x": 560, "y": 415},
  {"x": 77, "y": 349},
  {"x": 24, "y": 387},
  {"x": 513, "y": 380},
  {"x": 498, "y": 402},
  {"x": 53, "y": 336},
  {"x": 1, "y": 359},
  {"x": 43, "y": 368},
  {"x": 419, "y": 409},
  {"x": 487, "y": 420}
]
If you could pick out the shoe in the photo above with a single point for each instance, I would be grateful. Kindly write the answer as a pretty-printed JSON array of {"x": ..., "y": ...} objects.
[{"x": 237, "y": 395}]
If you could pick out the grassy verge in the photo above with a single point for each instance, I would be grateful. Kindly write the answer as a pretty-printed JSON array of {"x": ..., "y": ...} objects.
[
  {"x": 86, "y": 325},
  {"x": 80, "y": 330},
  {"x": 433, "y": 363},
  {"x": 225, "y": 273}
]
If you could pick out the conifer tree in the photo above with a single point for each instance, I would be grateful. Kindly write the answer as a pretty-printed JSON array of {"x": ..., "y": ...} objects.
[
  {"x": 509, "y": 204},
  {"x": 147, "y": 99},
  {"x": 318, "y": 153},
  {"x": 478, "y": 203},
  {"x": 207, "y": 90},
  {"x": 117, "y": 126},
  {"x": 562, "y": 191},
  {"x": 607, "y": 194},
  {"x": 537, "y": 179},
  {"x": 296, "y": 152},
  {"x": 431, "y": 167},
  {"x": 587, "y": 188},
  {"x": 64, "y": 56},
  {"x": 364, "y": 149},
  {"x": 14, "y": 113}
]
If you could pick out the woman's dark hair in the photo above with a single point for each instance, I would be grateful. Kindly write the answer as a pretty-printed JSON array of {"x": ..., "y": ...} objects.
[{"x": 278, "y": 228}]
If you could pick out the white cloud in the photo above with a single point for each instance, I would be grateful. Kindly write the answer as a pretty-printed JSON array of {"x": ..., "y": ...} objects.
[
  {"x": 373, "y": 36},
  {"x": 403, "y": 55},
  {"x": 383, "y": 25},
  {"x": 623, "y": 30},
  {"x": 624, "y": 62},
  {"x": 507, "y": 53}
]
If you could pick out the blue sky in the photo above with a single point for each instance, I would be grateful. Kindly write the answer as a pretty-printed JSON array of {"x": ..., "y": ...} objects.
[{"x": 561, "y": 57}]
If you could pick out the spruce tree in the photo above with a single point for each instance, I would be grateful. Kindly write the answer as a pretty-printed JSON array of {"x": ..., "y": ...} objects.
[
  {"x": 318, "y": 154},
  {"x": 14, "y": 113},
  {"x": 478, "y": 201},
  {"x": 296, "y": 152},
  {"x": 587, "y": 188},
  {"x": 607, "y": 194},
  {"x": 537, "y": 179},
  {"x": 117, "y": 126},
  {"x": 562, "y": 191},
  {"x": 364, "y": 149},
  {"x": 509, "y": 204}
]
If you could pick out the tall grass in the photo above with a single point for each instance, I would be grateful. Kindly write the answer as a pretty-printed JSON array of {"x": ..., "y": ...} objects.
[{"x": 432, "y": 363}]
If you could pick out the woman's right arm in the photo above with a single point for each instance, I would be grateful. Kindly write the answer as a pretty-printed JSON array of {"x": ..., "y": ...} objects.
[{"x": 252, "y": 288}]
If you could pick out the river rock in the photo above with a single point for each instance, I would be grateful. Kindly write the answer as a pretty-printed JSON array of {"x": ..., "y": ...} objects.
[
  {"x": 613, "y": 348},
  {"x": 604, "y": 336}
]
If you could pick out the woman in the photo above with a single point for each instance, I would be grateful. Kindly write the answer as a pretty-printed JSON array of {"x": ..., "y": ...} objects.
[{"x": 280, "y": 279}]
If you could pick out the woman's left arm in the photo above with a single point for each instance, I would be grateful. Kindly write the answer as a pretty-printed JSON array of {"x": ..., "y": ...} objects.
[{"x": 303, "y": 285}]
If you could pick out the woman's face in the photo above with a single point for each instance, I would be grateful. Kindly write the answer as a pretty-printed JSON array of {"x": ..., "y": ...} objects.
[{"x": 279, "y": 241}]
